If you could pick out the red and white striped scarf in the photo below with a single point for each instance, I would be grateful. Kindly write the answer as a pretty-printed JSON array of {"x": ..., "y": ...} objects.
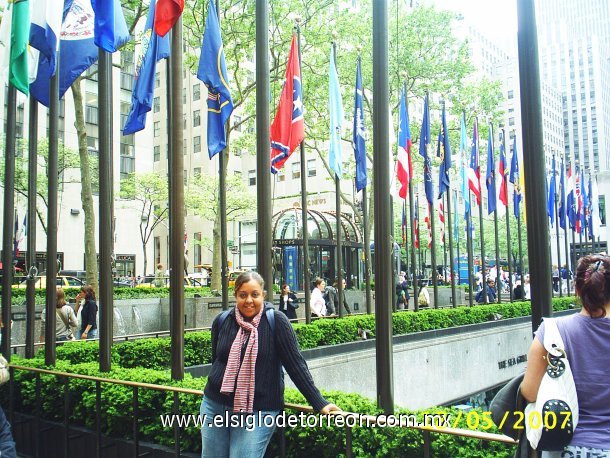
[{"x": 244, "y": 373}]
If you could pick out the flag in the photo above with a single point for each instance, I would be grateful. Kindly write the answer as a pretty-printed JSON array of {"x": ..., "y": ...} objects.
[
  {"x": 288, "y": 127},
  {"x": 585, "y": 201},
  {"x": 571, "y": 201},
  {"x": 428, "y": 222},
  {"x": 359, "y": 133},
  {"x": 168, "y": 13},
  {"x": 110, "y": 28},
  {"x": 335, "y": 107},
  {"x": 515, "y": 179},
  {"x": 16, "y": 237},
  {"x": 562, "y": 198},
  {"x": 578, "y": 203},
  {"x": 424, "y": 140},
  {"x": 416, "y": 223},
  {"x": 404, "y": 167},
  {"x": 474, "y": 175},
  {"x": 213, "y": 72},
  {"x": 595, "y": 218},
  {"x": 154, "y": 48},
  {"x": 45, "y": 29},
  {"x": 21, "y": 234},
  {"x": 502, "y": 169},
  {"x": 20, "y": 34},
  {"x": 490, "y": 177},
  {"x": 444, "y": 148},
  {"x": 550, "y": 209},
  {"x": 441, "y": 219},
  {"x": 464, "y": 161},
  {"x": 77, "y": 48}
]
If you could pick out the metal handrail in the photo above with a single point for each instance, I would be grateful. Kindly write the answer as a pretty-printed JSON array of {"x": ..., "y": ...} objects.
[{"x": 372, "y": 420}]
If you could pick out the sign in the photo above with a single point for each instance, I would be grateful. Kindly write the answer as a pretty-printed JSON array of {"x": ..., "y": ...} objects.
[
  {"x": 229, "y": 243},
  {"x": 510, "y": 362},
  {"x": 291, "y": 267}
]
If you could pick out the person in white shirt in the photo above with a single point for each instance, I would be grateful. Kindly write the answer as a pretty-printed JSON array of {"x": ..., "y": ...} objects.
[{"x": 317, "y": 303}]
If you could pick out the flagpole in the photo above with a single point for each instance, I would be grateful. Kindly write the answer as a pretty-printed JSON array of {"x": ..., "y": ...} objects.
[
  {"x": 106, "y": 286},
  {"x": 9, "y": 221},
  {"x": 263, "y": 147},
  {"x": 565, "y": 234},
  {"x": 457, "y": 240},
  {"x": 483, "y": 267},
  {"x": 497, "y": 253},
  {"x": 556, "y": 201},
  {"x": 30, "y": 257},
  {"x": 176, "y": 207},
  {"x": 470, "y": 248},
  {"x": 367, "y": 251},
  {"x": 450, "y": 226},
  {"x": 508, "y": 252},
  {"x": 412, "y": 226},
  {"x": 304, "y": 210}
]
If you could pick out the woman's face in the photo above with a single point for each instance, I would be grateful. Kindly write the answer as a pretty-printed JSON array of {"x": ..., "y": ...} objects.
[
  {"x": 321, "y": 286},
  {"x": 286, "y": 289},
  {"x": 250, "y": 298}
]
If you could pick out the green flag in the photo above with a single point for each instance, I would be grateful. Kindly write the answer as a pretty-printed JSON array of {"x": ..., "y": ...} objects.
[{"x": 20, "y": 32}]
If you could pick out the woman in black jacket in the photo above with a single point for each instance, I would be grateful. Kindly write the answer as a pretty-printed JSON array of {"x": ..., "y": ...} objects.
[
  {"x": 288, "y": 303},
  {"x": 88, "y": 325},
  {"x": 243, "y": 387}
]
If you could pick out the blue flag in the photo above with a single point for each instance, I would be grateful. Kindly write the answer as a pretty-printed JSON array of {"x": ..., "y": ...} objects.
[
  {"x": 514, "y": 179},
  {"x": 445, "y": 155},
  {"x": 213, "y": 72},
  {"x": 359, "y": 133},
  {"x": 78, "y": 52},
  {"x": 551, "y": 196},
  {"x": 562, "y": 198},
  {"x": 45, "y": 29},
  {"x": 490, "y": 177},
  {"x": 155, "y": 49},
  {"x": 585, "y": 200},
  {"x": 110, "y": 27},
  {"x": 424, "y": 141},
  {"x": 335, "y": 106},
  {"x": 464, "y": 159},
  {"x": 571, "y": 201}
]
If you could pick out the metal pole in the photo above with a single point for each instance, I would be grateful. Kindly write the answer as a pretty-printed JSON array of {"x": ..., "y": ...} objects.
[
  {"x": 558, "y": 243},
  {"x": 304, "y": 210},
  {"x": 263, "y": 148},
  {"x": 176, "y": 206},
  {"x": 498, "y": 289},
  {"x": 8, "y": 220},
  {"x": 534, "y": 166},
  {"x": 469, "y": 248},
  {"x": 569, "y": 264},
  {"x": 483, "y": 266},
  {"x": 457, "y": 242},
  {"x": 30, "y": 257},
  {"x": 433, "y": 246},
  {"x": 412, "y": 230},
  {"x": 223, "y": 160},
  {"x": 521, "y": 267},
  {"x": 383, "y": 222},
  {"x": 105, "y": 206},
  {"x": 452, "y": 277},
  {"x": 508, "y": 252},
  {"x": 339, "y": 246},
  {"x": 367, "y": 251}
]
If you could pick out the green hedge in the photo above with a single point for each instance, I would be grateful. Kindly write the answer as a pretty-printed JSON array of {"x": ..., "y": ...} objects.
[
  {"x": 154, "y": 353},
  {"x": 118, "y": 414}
]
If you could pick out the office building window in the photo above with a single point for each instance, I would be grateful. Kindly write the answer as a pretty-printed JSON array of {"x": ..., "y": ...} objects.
[
  {"x": 511, "y": 95},
  {"x": 91, "y": 115},
  {"x": 196, "y": 91},
  {"x": 311, "y": 167},
  {"x": 157, "y": 128},
  {"x": 127, "y": 154},
  {"x": 197, "y": 144},
  {"x": 196, "y": 118},
  {"x": 157, "y": 153},
  {"x": 296, "y": 170},
  {"x": 252, "y": 177},
  {"x": 157, "y": 80},
  {"x": 281, "y": 175},
  {"x": 237, "y": 123},
  {"x": 157, "y": 104},
  {"x": 197, "y": 172}
]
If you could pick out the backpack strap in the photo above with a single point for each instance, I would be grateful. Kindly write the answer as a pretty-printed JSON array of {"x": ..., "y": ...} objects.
[{"x": 270, "y": 313}]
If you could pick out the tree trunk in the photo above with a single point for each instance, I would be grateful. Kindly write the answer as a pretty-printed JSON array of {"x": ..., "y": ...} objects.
[
  {"x": 145, "y": 260},
  {"x": 86, "y": 194},
  {"x": 216, "y": 255}
]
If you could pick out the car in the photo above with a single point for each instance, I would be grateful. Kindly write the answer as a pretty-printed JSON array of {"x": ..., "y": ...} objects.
[
  {"x": 150, "y": 281},
  {"x": 233, "y": 276},
  {"x": 61, "y": 280}
]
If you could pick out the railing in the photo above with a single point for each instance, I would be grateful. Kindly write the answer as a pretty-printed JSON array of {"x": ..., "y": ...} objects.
[{"x": 137, "y": 386}]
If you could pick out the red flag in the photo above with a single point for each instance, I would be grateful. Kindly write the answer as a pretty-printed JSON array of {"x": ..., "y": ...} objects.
[
  {"x": 167, "y": 13},
  {"x": 428, "y": 221},
  {"x": 404, "y": 169},
  {"x": 441, "y": 219},
  {"x": 288, "y": 127}
]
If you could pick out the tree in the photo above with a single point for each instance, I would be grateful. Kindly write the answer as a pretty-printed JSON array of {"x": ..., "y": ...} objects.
[
  {"x": 148, "y": 191},
  {"x": 202, "y": 200}
]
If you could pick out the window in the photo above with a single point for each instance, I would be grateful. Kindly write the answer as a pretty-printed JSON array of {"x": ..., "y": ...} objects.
[
  {"x": 511, "y": 94},
  {"x": 197, "y": 144},
  {"x": 185, "y": 177},
  {"x": 197, "y": 172},
  {"x": 311, "y": 167},
  {"x": 125, "y": 108},
  {"x": 511, "y": 121},
  {"x": 296, "y": 170},
  {"x": 157, "y": 104},
  {"x": 157, "y": 80},
  {"x": 157, "y": 128},
  {"x": 127, "y": 154},
  {"x": 196, "y": 118},
  {"x": 157, "y": 153},
  {"x": 237, "y": 123},
  {"x": 91, "y": 115},
  {"x": 197, "y": 248},
  {"x": 196, "y": 91},
  {"x": 252, "y": 177},
  {"x": 280, "y": 175},
  {"x": 91, "y": 73}
]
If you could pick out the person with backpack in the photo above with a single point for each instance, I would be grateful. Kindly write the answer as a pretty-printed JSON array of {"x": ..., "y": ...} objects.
[
  {"x": 65, "y": 319},
  {"x": 250, "y": 344}
]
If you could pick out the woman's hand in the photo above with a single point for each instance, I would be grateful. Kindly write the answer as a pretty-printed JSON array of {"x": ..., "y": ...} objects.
[{"x": 328, "y": 408}]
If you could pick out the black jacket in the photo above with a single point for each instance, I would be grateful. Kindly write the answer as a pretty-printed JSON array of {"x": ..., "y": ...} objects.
[{"x": 273, "y": 352}]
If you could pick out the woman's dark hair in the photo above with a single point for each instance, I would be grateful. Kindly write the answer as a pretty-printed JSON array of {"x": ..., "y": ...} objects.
[
  {"x": 284, "y": 286},
  {"x": 245, "y": 277},
  {"x": 61, "y": 298},
  {"x": 592, "y": 283},
  {"x": 89, "y": 292}
]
